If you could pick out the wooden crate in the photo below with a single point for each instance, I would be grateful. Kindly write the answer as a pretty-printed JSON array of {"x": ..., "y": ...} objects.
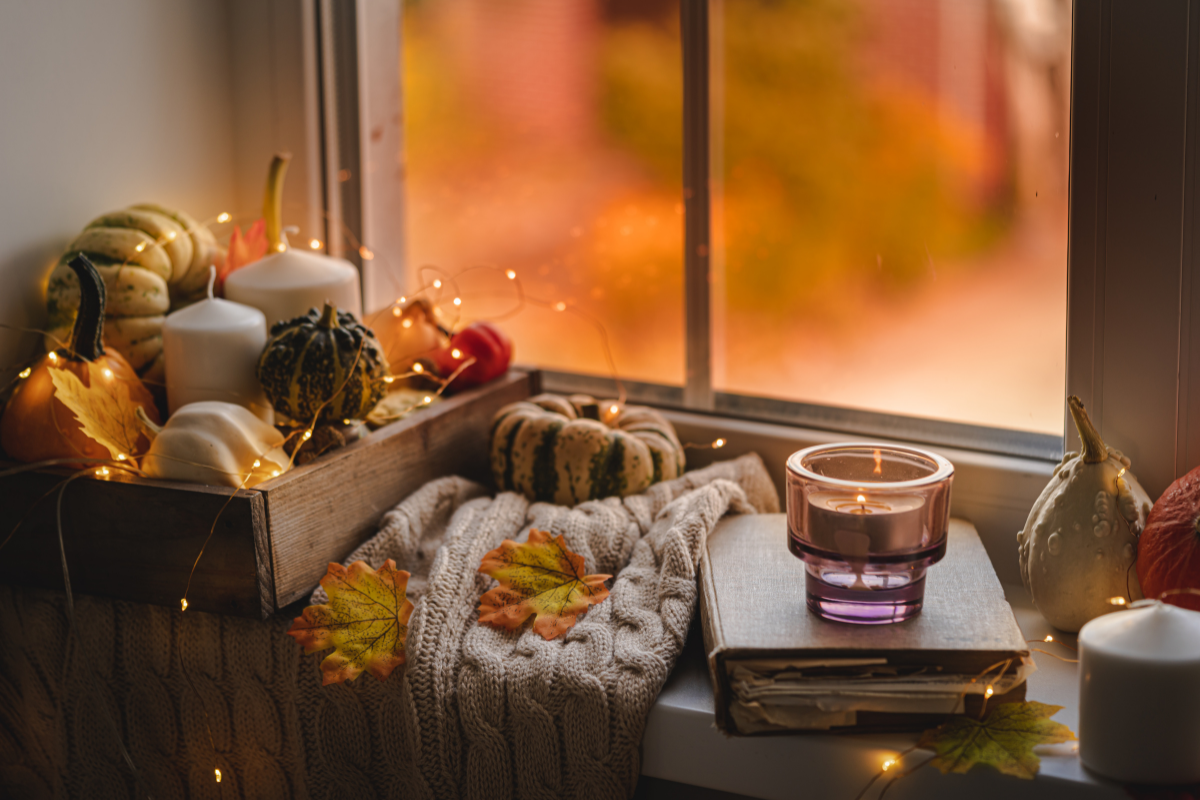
[{"x": 136, "y": 539}]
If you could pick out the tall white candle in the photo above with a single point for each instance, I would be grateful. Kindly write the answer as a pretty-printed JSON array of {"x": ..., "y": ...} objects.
[
  {"x": 211, "y": 349},
  {"x": 1139, "y": 703},
  {"x": 286, "y": 285}
]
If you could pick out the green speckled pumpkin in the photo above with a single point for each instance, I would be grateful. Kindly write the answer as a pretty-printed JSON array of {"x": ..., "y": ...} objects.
[
  {"x": 310, "y": 358},
  {"x": 569, "y": 449}
]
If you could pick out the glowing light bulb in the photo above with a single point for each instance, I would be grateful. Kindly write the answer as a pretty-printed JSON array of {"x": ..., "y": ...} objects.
[
  {"x": 396, "y": 311},
  {"x": 171, "y": 236},
  {"x": 458, "y": 301},
  {"x": 614, "y": 408},
  {"x": 307, "y": 435},
  {"x": 107, "y": 372},
  {"x": 275, "y": 474},
  {"x": 281, "y": 247},
  {"x": 1117, "y": 601},
  {"x": 366, "y": 254},
  {"x": 315, "y": 244},
  {"x": 891, "y": 762},
  {"x": 141, "y": 246},
  {"x": 512, "y": 276},
  {"x": 718, "y": 444},
  {"x": 428, "y": 399},
  {"x": 388, "y": 379},
  {"x": 437, "y": 284},
  {"x": 223, "y": 217},
  {"x": 406, "y": 323},
  {"x": 120, "y": 456},
  {"x": 53, "y": 357},
  {"x": 456, "y": 353},
  {"x": 257, "y": 463},
  {"x": 218, "y": 772},
  {"x": 183, "y": 604},
  {"x": 418, "y": 367},
  {"x": 25, "y": 373},
  {"x": 560, "y": 306},
  {"x": 1048, "y": 638},
  {"x": 989, "y": 691}
]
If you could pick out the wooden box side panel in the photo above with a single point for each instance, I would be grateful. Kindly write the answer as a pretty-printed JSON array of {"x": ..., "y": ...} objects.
[
  {"x": 137, "y": 540},
  {"x": 321, "y": 512}
]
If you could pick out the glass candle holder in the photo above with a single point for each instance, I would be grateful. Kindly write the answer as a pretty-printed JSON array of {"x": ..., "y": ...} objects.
[{"x": 868, "y": 520}]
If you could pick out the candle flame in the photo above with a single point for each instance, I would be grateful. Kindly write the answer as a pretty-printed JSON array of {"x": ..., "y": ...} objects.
[
  {"x": 878, "y": 463},
  {"x": 861, "y": 498}
]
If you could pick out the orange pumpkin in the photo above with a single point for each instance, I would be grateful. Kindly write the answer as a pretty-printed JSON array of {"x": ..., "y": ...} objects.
[
  {"x": 36, "y": 426},
  {"x": 1169, "y": 548}
]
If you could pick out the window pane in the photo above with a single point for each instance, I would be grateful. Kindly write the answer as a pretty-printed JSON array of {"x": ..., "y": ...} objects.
[
  {"x": 544, "y": 137},
  {"x": 891, "y": 228}
]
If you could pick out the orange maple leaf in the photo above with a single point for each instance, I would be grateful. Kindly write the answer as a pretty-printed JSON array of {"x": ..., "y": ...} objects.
[
  {"x": 540, "y": 578},
  {"x": 365, "y": 621},
  {"x": 243, "y": 250},
  {"x": 109, "y": 416}
]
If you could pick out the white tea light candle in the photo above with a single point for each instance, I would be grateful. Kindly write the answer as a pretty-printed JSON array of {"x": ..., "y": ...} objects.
[
  {"x": 1139, "y": 694},
  {"x": 211, "y": 349}
]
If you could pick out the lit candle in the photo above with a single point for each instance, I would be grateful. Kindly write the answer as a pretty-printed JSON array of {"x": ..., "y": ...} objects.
[
  {"x": 211, "y": 349},
  {"x": 857, "y": 524},
  {"x": 1139, "y": 687},
  {"x": 287, "y": 283}
]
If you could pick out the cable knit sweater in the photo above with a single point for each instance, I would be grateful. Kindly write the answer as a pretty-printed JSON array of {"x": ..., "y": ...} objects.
[{"x": 475, "y": 713}]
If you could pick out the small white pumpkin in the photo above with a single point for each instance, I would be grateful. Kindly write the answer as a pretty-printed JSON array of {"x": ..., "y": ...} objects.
[
  {"x": 215, "y": 443},
  {"x": 1080, "y": 541}
]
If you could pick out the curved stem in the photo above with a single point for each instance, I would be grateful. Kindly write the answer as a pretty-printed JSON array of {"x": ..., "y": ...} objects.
[
  {"x": 1094, "y": 449},
  {"x": 87, "y": 336},
  {"x": 273, "y": 201}
]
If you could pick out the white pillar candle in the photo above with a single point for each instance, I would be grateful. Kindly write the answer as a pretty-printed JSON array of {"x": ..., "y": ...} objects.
[
  {"x": 1139, "y": 704},
  {"x": 286, "y": 285},
  {"x": 211, "y": 349}
]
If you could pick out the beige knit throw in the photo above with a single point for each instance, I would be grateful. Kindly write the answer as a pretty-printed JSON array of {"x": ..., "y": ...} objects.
[{"x": 476, "y": 712}]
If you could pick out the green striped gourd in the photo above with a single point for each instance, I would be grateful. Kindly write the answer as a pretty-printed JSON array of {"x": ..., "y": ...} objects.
[
  {"x": 569, "y": 449},
  {"x": 323, "y": 366},
  {"x": 152, "y": 259}
]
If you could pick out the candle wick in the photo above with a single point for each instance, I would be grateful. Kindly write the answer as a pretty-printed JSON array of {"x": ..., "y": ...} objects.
[{"x": 212, "y": 279}]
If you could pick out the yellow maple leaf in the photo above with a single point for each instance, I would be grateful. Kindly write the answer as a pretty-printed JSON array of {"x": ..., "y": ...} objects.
[
  {"x": 540, "y": 578},
  {"x": 365, "y": 621},
  {"x": 106, "y": 413},
  {"x": 1003, "y": 739}
]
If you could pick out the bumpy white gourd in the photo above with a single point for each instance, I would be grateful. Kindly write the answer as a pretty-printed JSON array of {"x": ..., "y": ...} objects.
[
  {"x": 1080, "y": 541},
  {"x": 215, "y": 443}
]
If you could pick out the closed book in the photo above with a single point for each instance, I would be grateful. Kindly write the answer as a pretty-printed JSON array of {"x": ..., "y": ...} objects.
[{"x": 777, "y": 667}]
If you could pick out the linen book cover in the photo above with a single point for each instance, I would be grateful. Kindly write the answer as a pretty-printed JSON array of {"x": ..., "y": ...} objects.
[{"x": 777, "y": 667}]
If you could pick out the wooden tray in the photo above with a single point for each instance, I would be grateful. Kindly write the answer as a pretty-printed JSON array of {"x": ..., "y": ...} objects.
[{"x": 136, "y": 539}]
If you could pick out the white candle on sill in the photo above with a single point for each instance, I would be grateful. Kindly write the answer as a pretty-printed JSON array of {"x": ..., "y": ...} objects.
[
  {"x": 211, "y": 350},
  {"x": 287, "y": 284},
  {"x": 1139, "y": 695}
]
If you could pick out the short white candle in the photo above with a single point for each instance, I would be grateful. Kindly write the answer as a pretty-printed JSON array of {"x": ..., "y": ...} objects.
[
  {"x": 855, "y": 524},
  {"x": 211, "y": 350},
  {"x": 286, "y": 285},
  {"x": 1139, "y": 703}
]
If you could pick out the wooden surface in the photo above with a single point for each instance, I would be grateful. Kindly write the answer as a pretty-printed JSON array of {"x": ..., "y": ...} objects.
[
  {"x": 137, "y": 539},
  {"x": 320, "y": 512}
]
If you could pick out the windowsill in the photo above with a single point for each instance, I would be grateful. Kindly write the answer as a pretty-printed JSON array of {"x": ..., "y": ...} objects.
[{"x": 681, "y": 743}]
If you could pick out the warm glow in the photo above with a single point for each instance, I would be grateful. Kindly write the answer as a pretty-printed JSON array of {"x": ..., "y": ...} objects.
[
  {"x": 315, "y": 244},
  {"x": 257, "y": 463},
  {"x": 458, "y": 301},
  {"x": 402, "y": 300},
  {"x": 456, "y": 353},
  {"x": 281, "y": 247},
  {"x": 366, "y": 254},
  {"x": 396, "y": 311},
  {"x": 223, "y": 217},
  {"x": 307, "y": 435},
  {"x": 171, "y": 236},
  {"x": 102, "y": 472},
  {"x": 53, "y": 357},
  {"x": 1122, "y": 472},
  {"x": 107, "y": 372},
  {"x": 141, "y": 246},
  {"x": 1048, "y": 638},
  {"x": 388, "y": 379},
  {"x": 218, "y": 775},
  {"x": 183, "y": 604},
  {"x": 878, "y": 463},
  {"x": 861, "y": 498},
  {"x": 345, "y": 422},
  {"x": 560, "y": 306},
  {"x": 428, "y": 399},
  {"x": 25, "y": 373},
  {"x": 614, "y": 408},
  {"x": 418, "y": 367},
  {"x": 718, "y": 444},
  {"x": 1117, "y": 601},
  {"x": 407, "y": 323},
  {"x": 120, "y": 456},
  {"x": 512, "y": 276},
  {"x": 891, "y": 762},
  {"x": 275, "y": 474},
  {"x": 437, "y": 284},
  {"x": 989, "y": 691}
]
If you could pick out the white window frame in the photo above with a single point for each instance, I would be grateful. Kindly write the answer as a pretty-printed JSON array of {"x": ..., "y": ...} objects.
[{"x": 1132, "y": 353}]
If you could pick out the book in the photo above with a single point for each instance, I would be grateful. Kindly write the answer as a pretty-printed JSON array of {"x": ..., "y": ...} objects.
[{"x": 777, "y": 667}]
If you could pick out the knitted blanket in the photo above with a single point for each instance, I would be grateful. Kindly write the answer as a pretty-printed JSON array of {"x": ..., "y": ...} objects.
[{"x": 476, "y": 712}]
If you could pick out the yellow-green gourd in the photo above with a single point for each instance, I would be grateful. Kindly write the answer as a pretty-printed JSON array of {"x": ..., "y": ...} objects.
[{"x": 214, "y": 443}]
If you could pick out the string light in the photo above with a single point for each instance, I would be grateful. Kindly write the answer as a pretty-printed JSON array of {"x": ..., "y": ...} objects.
[
  {"x": 437, "y": 284},
  {"x": 120, "y": 456},
  {"x": 614, "y": 408},
  {"x": 418, "y": 367},
  {"x": 25, "y": 373},
  {"x": 402, "y": 300},
  {"x": 281, "y": 247},
  {"x": 307, "y": 435},
  {"x": 1118, "y": 601},
  {"x": 388, "y": 379},
  {"x": 560, "y": 306},
  {"x": 171, "y": 236},
  {"x": 224, "y": 217},
  {"x": 366, "y": 254},
  {"x": 458, "y": 301},
  {"x": 891, "y": 762},
  {"x": 53, "y": 357},
  {"x": 257, "y": 463},
  {"x": 102, "y": 472},
  {"x": 107, "y": 372},
  {"x": 1048, "y": 638},
  {"x": 396, "y": 311},
  {"x": 989, "y": 691},
  {"x": 141, "y": 246},
  {"x": 183, "y": 604},
  {"x": 315, "y": 244},
  {"x": 718, "y": 444},
  {"x": 456, "y": 353},
  {"x": 275, "y": 474},
  {"x": 407, "y": 323},
  {"x": 512, "y": 276},
  {"x": 428, "y": 400},
  {"x": 218, "y": 772}
]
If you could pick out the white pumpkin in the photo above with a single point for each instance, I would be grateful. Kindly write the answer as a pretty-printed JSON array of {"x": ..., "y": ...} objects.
[
  {"x": 1080, "y": 542},
  {"x": 215, "y": 443}
]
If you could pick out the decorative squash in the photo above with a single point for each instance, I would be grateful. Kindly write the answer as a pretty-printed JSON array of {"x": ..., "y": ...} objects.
[
  {"x": 152, "y": 259},
  {"x": 569, "y": 449},
  {"x": 488, "y": 345},
  {"x": 323, "y": 362},
  {"x": 1169, "y": 550},
  {"x": 1080, "y": 540},
  {"x": 36, "y": 425},
  {"x": 221, "y": 444}
]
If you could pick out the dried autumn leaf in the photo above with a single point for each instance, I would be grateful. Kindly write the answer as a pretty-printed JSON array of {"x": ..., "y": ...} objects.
[
  {"x": 1004, "y": 739},
  {"x": 540, "y": 578},
  {"x": 107, "y": 417},
  {"x": 243, "y": 250},
  {"x": 365, "y": 620}
]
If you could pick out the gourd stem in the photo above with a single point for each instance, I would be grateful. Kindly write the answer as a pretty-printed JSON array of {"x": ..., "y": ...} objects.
[
  {"x": 87, "y": 343},
  {"x": 329, "y": 316},
  {"x": 152, "y": 430},
  {"x": 1094, "y": 449},
  {"x": 273, "y": 201}
]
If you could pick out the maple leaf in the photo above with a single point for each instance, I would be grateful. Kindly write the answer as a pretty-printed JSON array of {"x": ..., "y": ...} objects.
[
  {"x": 243, "y": 250},
  {"x": 540, "y": 578},
  {"x": 107, "y": 417},
  {"x": 365, "y": 621},
  {"x": 1004, "y": 739}
]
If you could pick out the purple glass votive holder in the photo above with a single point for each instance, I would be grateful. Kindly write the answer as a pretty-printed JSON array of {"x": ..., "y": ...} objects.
[{"x": 867, "y": 520}]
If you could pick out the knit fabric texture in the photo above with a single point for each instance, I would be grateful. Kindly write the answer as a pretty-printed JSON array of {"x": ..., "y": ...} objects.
[{"x": 475, "y": 713}]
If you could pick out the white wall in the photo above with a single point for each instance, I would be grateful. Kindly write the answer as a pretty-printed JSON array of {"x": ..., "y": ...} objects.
[{"x": 103, "y": 104}]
